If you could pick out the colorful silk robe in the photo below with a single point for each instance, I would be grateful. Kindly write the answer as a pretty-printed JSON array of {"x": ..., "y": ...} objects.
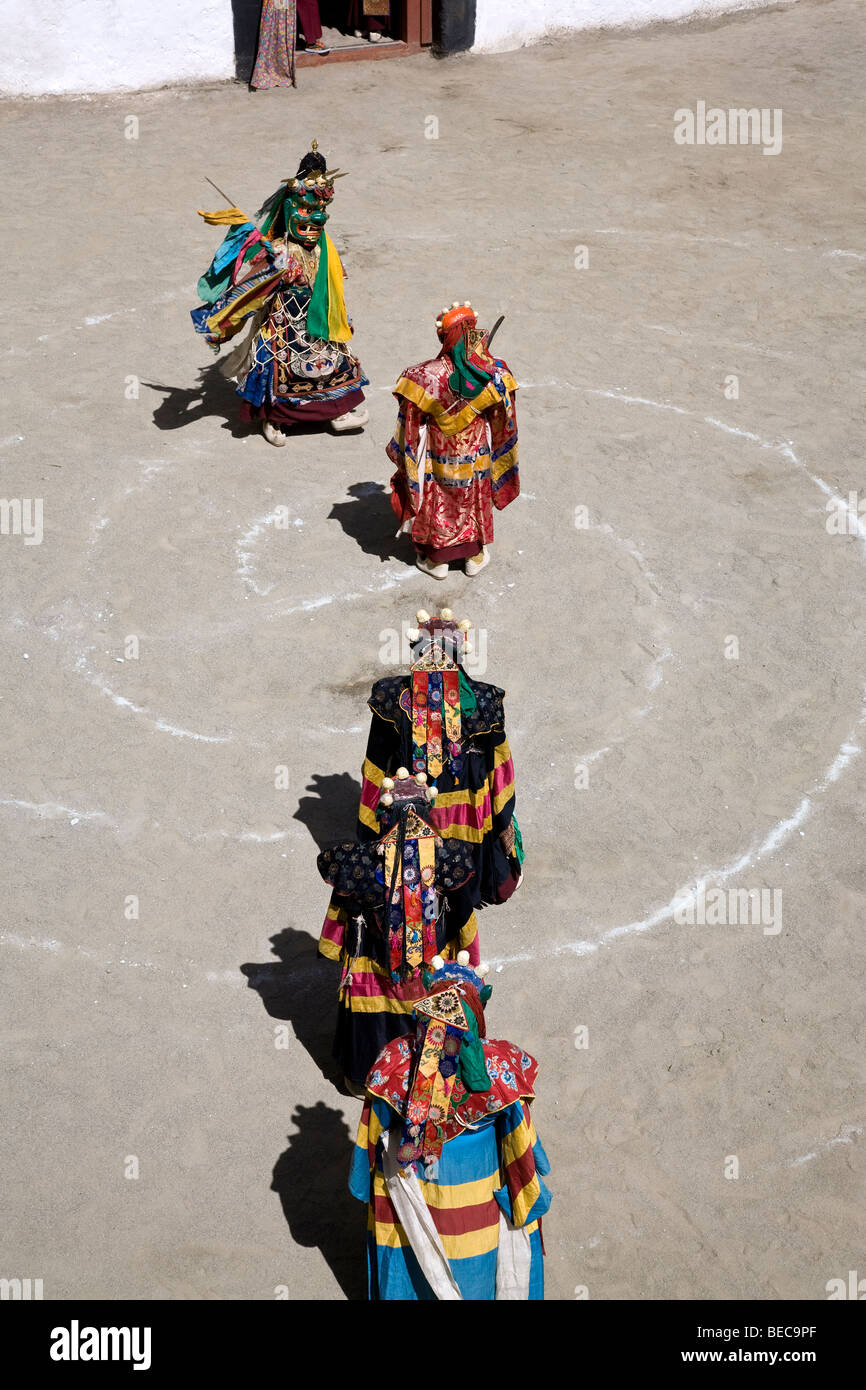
[
  {"x": 381, "y": 978},
  {"x": 456, "y": 459},
  {"x": 474, "y": 811},
  {"x": 476, "y": 802},
  {"x": 492, "y": 1161},
  {"x": 284, "y": 373}
]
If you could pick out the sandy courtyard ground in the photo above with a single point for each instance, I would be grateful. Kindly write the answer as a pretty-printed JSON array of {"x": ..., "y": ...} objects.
[{"x": 652, "y": 749}]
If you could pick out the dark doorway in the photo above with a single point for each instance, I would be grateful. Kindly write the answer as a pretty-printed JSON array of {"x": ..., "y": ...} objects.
[{"x": 245, "y": 16}]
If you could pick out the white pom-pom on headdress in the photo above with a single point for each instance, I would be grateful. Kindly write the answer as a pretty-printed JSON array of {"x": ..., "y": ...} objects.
[
  {"x": 412, "y": 635},
  {"x": 422, "y": 616},
  {"x": 462, "y": 957},
  {"x": 437, "y": 962},
  {"x": 402, "y": 774},
  {"x": 465, "y": 625},
  {"x": 386, "y": 800},
  {"x": 446, "y": 615},
  {"x": 387, "y": 784},
  {"x": 483, "y": 969},
  {"x": 432, "y": 793},
  {"x": 421, "y": 778}
]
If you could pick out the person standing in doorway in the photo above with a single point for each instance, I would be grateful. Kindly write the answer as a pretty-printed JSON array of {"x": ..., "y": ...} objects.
[
  {"x": 370, "y": 19},
  {"x": 275, "y": 58}
]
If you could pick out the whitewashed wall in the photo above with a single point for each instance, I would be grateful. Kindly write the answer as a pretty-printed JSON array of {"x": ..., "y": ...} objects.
[
  {"x": 54, "y": 46},
  {"x": 112, "y": 45},
  {"x": 501, "y": 25}
]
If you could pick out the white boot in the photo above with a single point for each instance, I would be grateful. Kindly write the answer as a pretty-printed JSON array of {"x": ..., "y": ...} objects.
[
  {"x": 434, "y": 571},
  {"x": 475, "y": 566},
  {"x": 353, "y": 420},
  {"x": 273, "y": 434}
]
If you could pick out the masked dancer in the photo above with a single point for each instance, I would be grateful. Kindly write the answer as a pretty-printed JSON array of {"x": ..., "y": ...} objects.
[{"x": 284, "y": 282}]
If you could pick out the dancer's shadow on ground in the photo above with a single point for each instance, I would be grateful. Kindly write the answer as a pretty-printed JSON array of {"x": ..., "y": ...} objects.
[
  {"x": 300, "y": 987},
  {"x": 311, "y": 1179},
  {"x": 311, "y": 1176},
  {"x": 184, "y": 405},
  {"x": 331, "y": 813},
  {"x": 369, "y": 521}
]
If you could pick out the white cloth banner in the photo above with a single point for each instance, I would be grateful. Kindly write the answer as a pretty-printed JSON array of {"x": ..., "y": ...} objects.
[
  {"x": 414, "y": 1216},
  {"x": 406, "y": 526},
  {"x": 514, "y": 1261}
]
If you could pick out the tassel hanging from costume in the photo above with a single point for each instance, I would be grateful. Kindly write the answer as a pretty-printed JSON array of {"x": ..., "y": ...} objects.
[
  {"x": 436, "y": 710},
  {"x": 412, "y": 901},
  {"x": 429, "y": 898},
  {"x": 413, "y": 950},
  {"x": 451, "y": 701},
  {"x": 434, "y": 725},
  {"x": 419, "y": 721},
  {"x": 394, "y": 888}
]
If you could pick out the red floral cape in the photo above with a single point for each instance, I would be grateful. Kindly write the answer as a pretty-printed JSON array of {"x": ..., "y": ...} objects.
[{"x": 511, "y": 1070}]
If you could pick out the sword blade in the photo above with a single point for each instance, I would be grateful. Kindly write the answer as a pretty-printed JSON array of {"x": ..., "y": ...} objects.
[{"x": 495, "y": 329}]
